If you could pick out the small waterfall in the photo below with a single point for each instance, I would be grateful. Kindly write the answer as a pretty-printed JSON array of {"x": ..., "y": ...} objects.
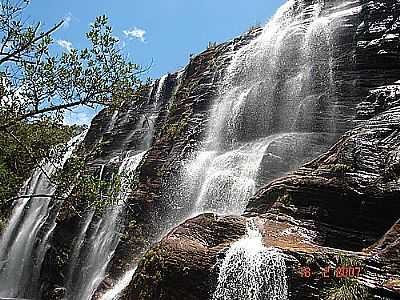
[
  {"x": 230, "y": 178},
  {"x": 96, "y": 244},
  {"x": 25, "y": 240},
  {"x": 114, "y": 293},
  {"x": 160, "y": 90},
  {"x": 250, "y": 271}
]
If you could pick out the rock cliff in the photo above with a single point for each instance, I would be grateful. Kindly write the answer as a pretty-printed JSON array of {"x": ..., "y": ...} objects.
[{"x": 340, "y": 208}]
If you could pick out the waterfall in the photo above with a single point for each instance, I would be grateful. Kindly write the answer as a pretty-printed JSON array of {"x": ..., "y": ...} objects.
[
  {"x": 96, "y": 244},
  {"x": 24, "y": 242},
  {"x": 160, "y": 90},
  {"x": 275, "y": 110},
  {"x": 114, "y": 293},
  {"x": 98, "y": 239},
  {"x": 250, "y": 271}
]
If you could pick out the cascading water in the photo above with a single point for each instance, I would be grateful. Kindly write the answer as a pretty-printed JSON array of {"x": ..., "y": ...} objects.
[
  {"x": 250, "y": 271},
  {"x": 275, "y": 110},
  {"x": 96, "y": 244},
  {"x": 25, "y": 240},
  {"x": 91, "y": 257},
  {"x": 114, "y": 293}
]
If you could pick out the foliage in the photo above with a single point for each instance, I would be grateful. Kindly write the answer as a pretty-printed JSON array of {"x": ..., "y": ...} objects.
[
  {"x": 254, "y": 27},
  {"x": 347, "y": 288},
  {"x": 286, "y": 199},
  {"x": 23, "y": 149},
  {"x": 89, "y": 190},
  {"x": 211, "y": 45},
  {"x": 348, "y": 261},
  {"x": 38, "y": 86}
]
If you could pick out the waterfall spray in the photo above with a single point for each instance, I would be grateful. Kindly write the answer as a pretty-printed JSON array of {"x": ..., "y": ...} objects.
[{"x": 250, "y": 271}]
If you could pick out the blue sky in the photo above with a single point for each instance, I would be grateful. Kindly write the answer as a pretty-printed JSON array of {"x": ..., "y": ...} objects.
[{"x": 161, "y": 32}]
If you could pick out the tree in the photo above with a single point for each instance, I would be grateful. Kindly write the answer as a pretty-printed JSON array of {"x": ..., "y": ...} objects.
[{"x": 38, "y": 86}]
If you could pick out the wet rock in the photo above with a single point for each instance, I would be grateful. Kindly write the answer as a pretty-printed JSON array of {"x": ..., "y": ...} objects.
[
  {"x": 185, "y": 264},
  {"x": 182, "y": 265}
]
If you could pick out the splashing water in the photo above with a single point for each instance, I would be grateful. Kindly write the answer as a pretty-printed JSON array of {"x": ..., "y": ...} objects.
[
  {"x": 99, "y": 239},
  {"x": 276, "y": 109},
  {"x": 250, "y": 271}
]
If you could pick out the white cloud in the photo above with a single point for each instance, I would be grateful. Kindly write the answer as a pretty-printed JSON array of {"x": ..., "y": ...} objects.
[
  {"x": 65, "y": 44},
  {"x": 135, "y": 33},
  {"x": 67, "y": 20}
]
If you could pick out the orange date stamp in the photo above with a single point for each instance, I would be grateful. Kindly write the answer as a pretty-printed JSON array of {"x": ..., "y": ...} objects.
[{"x": 329, "y": 272}]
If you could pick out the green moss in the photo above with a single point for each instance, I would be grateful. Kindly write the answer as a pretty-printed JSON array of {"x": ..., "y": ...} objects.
[
  {"x": 254, "y": 27},
  {"x": 286, "y": 199},
  {"x": 173, "y": 130},
  {"x": 173, "y": 107},
  {"x": 340, "y": 169},
  {"x": 348, "y": 261},
  {"x": 346, "y": 289},
  {"x": 211, "y": 45}
]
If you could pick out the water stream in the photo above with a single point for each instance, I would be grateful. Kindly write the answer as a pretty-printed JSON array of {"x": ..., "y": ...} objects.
[
  {"x": 96, "y": 244},
  {"x": 276, "y": 109},
  {"x": 251, "y": 271},
  {"x": 98, "y": 239},
  {"x": 24, "y": 242}
]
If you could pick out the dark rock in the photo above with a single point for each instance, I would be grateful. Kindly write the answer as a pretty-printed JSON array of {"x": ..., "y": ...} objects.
[
  {"x": 181, "y": 265},
  {"x": 184, "y": 265}
]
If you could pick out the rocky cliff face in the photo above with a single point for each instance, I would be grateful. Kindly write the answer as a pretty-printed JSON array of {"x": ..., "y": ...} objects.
[
  {"x": 168, "y": 131},
  {"x": 341, "y": 208},
  {"x": 342, "y": 204}
]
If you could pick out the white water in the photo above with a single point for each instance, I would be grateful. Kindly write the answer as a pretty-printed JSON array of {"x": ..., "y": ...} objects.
[
  {"x": 250, "y": 271},
  {"x": 276, "y": 109},
  {"x": 114, "y": 293},
  {"x": 24, "y": 242},
  {"x": 91, "y": 256},
  {"x": 272, "y": 89},
  {"x": 151, "y": 121},
  {"x": 160, "y": 90},
  {"x": 95, "y": 246},
  {"x": 230, "y": 178}
]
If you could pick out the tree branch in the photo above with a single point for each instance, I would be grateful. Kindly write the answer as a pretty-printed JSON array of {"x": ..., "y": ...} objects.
[{"x": 33, "y": 41}]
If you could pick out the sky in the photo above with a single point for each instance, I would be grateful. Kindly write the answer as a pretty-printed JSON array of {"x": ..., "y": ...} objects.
[{"x": 159, "y": 34}]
